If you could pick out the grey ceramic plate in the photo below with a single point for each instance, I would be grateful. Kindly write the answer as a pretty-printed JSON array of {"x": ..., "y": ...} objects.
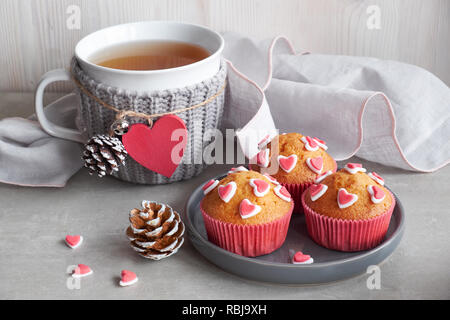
[{"x": 328, "y": 266}]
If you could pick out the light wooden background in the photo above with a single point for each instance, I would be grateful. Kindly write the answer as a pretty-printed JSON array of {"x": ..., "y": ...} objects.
[{"x": 34, "y": 37}]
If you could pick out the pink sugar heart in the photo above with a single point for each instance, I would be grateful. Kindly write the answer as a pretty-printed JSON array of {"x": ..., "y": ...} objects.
[
  {"x": 301, "y": 258},
  {"x": 74, "y": 241},
  {"x": 319, "y": 140},
  {"x": 81, "y": 270},
  {"x": 248, "y": 209},
  {"x": 322, "y": 176},
  {"x": 264, "y": 141},
  {"x": 127, "y": 278},
  {"x": 271, "y": 179},
  {"x": 354, "y": 168},
  {"x": 346, "y": 199},
  {"x": 376, "y": 194},
  {"x": 287, "y": 163},
  {"x": 282, "y": 193},
  {"x": 376, "y": 177},
  {"x": 315, "y": 164},
  {"x": 226, "y": 192},
  {"x": 262, "y": 158},
  {"x": 317, "y": 190},
  {"x": 321, "y": 143},
  {"x": 210, "y": 185},
  {"x": 260, "y": 187},
  {"x": 310, "y": 143}
]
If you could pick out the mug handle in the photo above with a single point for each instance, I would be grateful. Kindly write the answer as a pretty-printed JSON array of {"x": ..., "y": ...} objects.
[{"x": 48, "y": 126}]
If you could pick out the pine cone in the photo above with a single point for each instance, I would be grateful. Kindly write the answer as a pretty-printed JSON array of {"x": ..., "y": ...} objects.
[
  {"x": 103, "y": 155},
  {"x": 156, "y": 231}
]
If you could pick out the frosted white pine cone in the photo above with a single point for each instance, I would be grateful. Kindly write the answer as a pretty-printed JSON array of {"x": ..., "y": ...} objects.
[{"x": 155, "y": 231}]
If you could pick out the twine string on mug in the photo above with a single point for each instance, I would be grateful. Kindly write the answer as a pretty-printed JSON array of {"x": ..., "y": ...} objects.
[{"x": 121, "y": 114}]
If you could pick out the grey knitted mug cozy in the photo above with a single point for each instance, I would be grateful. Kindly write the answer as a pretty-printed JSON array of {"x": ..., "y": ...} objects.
[{"x": 94, "y": 118}]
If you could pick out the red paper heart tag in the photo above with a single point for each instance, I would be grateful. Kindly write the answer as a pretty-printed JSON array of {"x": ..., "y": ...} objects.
[{"x": 159, "y": 148}]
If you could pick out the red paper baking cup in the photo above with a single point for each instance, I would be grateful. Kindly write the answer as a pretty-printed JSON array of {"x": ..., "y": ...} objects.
[
  {"x": 347, "y": 235},
  {"x": 296, "y": 190},
  {"x": 247, "y": 240}
]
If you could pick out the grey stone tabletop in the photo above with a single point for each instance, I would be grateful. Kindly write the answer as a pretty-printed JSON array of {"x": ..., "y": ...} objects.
[{"x": 34, "y": 258}]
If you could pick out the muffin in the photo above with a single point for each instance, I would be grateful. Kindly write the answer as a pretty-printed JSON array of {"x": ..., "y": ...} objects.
[
  {"x": 348, "y": 210},
  {"x": 298, "y": 161},
  {"x": 246, "y": 212}
]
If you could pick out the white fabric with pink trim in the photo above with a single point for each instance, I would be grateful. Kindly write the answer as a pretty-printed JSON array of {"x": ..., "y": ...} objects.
[{"x": 305, "y": 88}]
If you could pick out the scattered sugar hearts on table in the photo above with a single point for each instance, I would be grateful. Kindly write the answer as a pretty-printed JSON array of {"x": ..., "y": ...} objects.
[
  {"x": 300, "y": 258},
  {"x": 127, "y": 278},
  {"x": 82, "y": 270},
  {"x": 74, "y": 241}
]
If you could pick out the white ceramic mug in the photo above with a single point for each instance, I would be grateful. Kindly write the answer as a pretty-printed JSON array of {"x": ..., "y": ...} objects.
[{"x": 140, "y": 81}]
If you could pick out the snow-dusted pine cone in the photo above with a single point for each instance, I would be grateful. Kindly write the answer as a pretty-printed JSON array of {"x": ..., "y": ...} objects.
[
  {"x": 156, "y": 231},
  {"x": 103, "y": 154}
]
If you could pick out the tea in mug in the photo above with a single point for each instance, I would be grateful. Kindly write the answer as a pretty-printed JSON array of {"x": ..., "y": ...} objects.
[{"x": 149, "y": 55}]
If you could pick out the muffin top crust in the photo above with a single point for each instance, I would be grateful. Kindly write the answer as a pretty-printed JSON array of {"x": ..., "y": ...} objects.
[
  {"x": 349, "y": 194},
  {"x": 245, "y": 197},
  {"x": 295, "y": 158}
]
